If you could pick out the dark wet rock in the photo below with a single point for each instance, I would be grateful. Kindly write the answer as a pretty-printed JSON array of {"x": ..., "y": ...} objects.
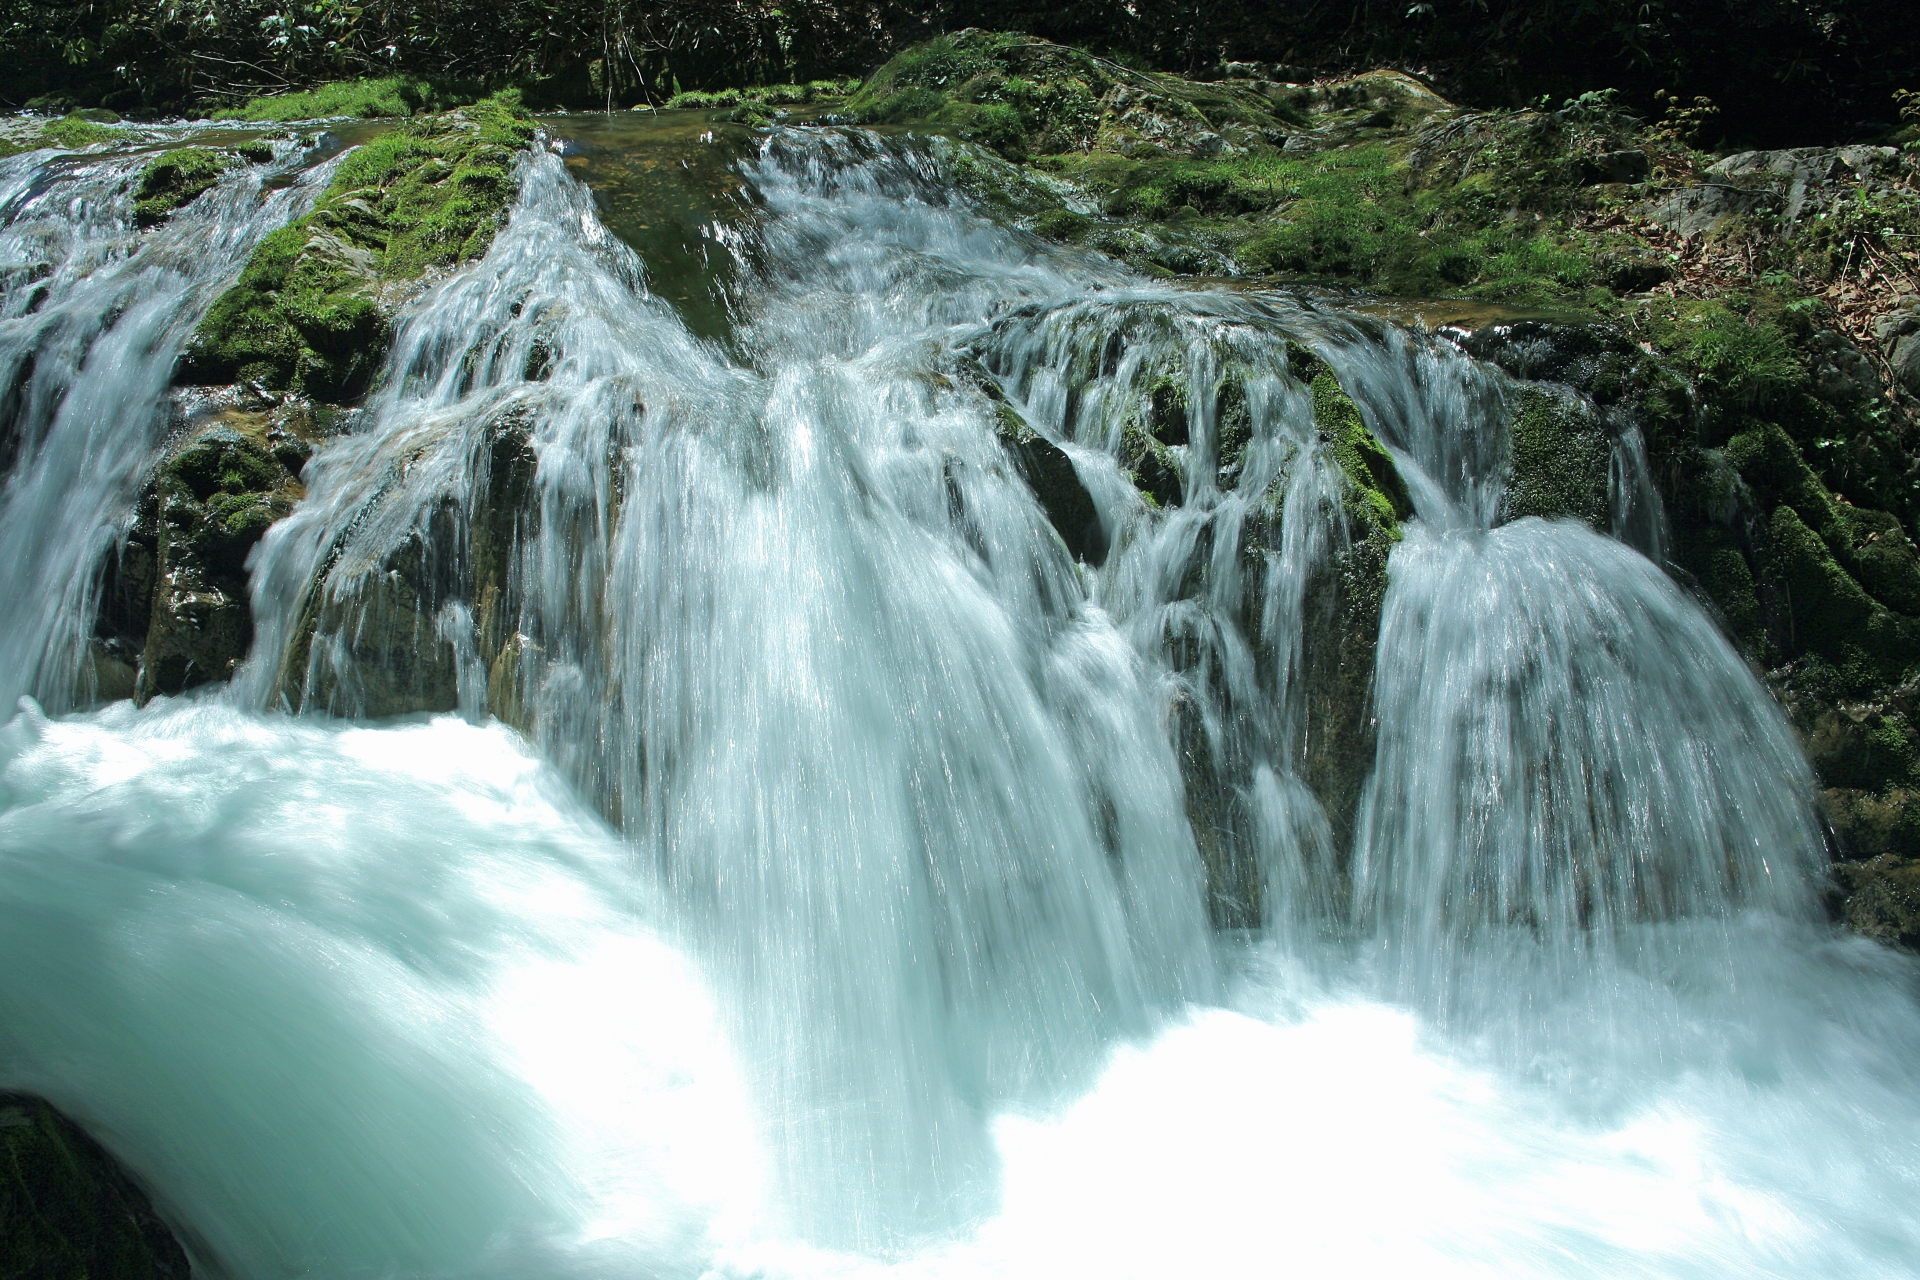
[
  {"x": 437, "y": 610},
  {"x": 1341, "y": 602},
  {"x": 1880, "y": 898},
  {"x": 1049, "y": 472},
  {"x": 1341, "y": 632},
  {"x": 1616, "y": 166},
  {"x": 1866, "y": 754},
  {"x": 68, "y": 1211},
  {"x": 1157, "y": 471},
  {"x": 1235, "y": 892}
]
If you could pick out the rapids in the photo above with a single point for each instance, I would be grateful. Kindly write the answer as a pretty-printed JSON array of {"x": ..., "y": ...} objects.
[{"x": 801, "y": 877}]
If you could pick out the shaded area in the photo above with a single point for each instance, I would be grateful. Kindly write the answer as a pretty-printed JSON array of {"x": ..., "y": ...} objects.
[{"x": 67, "y": 1209}]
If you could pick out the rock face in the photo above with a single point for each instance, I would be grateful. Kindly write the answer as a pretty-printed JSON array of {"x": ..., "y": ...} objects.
[
  {"x": 1333, "y": 744},
  {"x": 1559, "y": 460},
  {"x": 1898, "y": 334},
  {"x": 1342, "y": 604},
  {"x": 1790, "y": 184},
  {"x": 67, "y": 1210},
  {"x": 1822, "y": 593}
]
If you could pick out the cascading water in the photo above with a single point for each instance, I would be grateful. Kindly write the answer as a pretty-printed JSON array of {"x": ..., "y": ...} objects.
[
  {"x": 92, "y": 316},
  {"x": 837, "y": 902}
]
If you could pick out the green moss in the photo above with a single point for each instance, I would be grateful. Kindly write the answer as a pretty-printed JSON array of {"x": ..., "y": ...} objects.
[
  {"x": 1375, "y": 491},
  {"x": 1772, "y": 465},
  {"x": 73, "y": 133},
  {"x": 1014, "y": 94},
  {"x": 392, "y": 96},
  {"x": 305, "y": 313},
  {"x": 1728, "y": 581},
  {"x": 765, "y": 96},
  {"x": 1558, "y": 461},
  {"x": 1829, "y": 613},
  {"x": 173, "y": 179}
]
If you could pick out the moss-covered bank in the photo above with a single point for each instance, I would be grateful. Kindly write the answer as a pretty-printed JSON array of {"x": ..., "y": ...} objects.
[{"x": 312, "y": 308}]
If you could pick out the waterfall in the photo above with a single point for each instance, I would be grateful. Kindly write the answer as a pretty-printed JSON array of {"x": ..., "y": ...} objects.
[
  {"x": 944, "y": 773},
  {"x": 92, "y": 316}
]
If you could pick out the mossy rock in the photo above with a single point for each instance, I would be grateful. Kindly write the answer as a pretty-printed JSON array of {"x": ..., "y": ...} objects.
[
  {"x": 1156, "y": 470},
  {"x": 1827, "y": 612},
  {"x": 211, "y": 499},
  {"x": 1558, "y": 461},
  {"x": 311, "y": 311},
  {"x": 1012, "y": 93},
  {"x": 75, "y": 131},
  {"x": 1375, "y": 490},
  {"x": 67, "y": 1210},
  {"x": 174, "y": 179}
]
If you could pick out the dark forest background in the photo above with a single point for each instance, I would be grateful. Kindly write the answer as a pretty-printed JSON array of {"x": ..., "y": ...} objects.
[{"x": 1781, "y": 72}]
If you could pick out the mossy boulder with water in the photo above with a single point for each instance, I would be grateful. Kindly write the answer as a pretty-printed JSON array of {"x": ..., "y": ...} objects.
[
  {"x": 175, "y": 178},
  {"x": 68, "y": 1210},
  {"x": 1376, "y": 494},
  {"x": 1558, "y": 459},
  {"x": 210, "y": 500},
  {"x": 312, "y": 310},
  {"x": 1341, "y": 600},
  {"x": 1049, "y": 473},
  {"x": 401, "y": 633}
]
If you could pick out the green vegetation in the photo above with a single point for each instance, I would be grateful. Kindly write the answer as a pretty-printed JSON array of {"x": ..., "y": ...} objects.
[
  {"x": 1008, "y": 92},
  {"x": 771, "y": 95},
  {"x": 74, "y": 132},
  {"x": 1846, "y": 56},
  {"x": 1559, "y": 461},
  {"x": 391, "y": 96},
  {"x": 306, "y": 313},
  {"x": 1375, "y": 492},
  {"x": 175, "y": 178}
]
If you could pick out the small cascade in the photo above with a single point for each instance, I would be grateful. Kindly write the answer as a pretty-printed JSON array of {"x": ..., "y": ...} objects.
[
  {"x": 969, "y": 762},
  {"x": 1567, "y": 763},
  {"x": 93, "y": 312}
]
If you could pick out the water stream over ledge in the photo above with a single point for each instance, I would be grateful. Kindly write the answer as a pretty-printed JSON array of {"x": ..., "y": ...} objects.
[{"x": 828, "y": 859}]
